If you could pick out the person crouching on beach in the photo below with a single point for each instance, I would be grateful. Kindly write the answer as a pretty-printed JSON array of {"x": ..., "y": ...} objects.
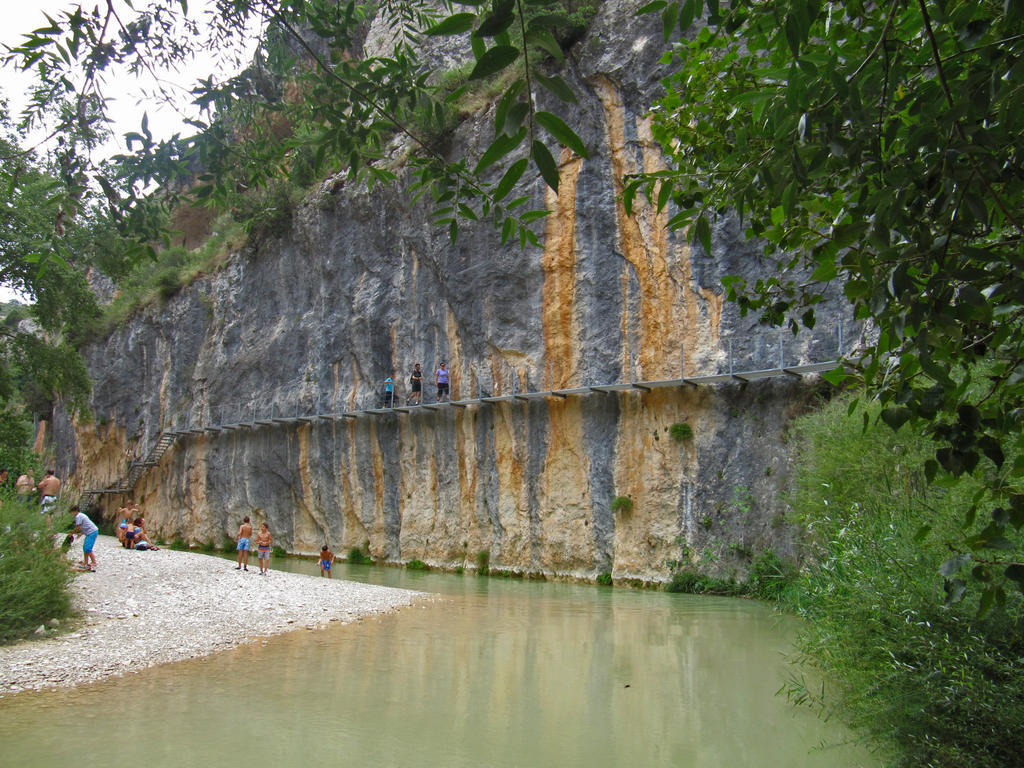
[
  {"x": 263, "y": 545},
  {"x": 244, "y": 547},
  {"x": 326, "y": 561},
  {"x": 83, "y": 526}
]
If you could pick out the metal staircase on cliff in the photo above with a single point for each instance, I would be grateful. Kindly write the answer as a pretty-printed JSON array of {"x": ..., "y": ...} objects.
[
  {"x": 255, "y": 420},
  {"x": 136, "y": 469}
]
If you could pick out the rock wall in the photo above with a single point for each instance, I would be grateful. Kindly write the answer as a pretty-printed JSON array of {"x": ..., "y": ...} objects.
[{"x": 362, "y": 288}]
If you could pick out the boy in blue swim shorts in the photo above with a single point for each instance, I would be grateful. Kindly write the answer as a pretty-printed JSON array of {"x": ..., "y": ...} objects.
[
  {"x": 85, "y": 527},
  {"x": 244, "y": 547},
  {"x": 326, "y": 561}
]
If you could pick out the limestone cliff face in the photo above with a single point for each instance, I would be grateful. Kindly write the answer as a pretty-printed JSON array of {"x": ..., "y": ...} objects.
[{"x": 363, "y": 288}]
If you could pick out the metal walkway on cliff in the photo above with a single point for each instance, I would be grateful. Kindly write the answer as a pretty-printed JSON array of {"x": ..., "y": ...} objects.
[{"x": 256, "y": 420}]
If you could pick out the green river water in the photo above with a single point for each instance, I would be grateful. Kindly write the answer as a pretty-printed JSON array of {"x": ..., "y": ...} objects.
[{"x": 496, "y": 673}]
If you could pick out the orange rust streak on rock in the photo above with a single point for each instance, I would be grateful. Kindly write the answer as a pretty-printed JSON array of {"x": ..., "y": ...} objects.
[
  {"x": 558, "y": 301},
  {"x": 643, "y": 240}
]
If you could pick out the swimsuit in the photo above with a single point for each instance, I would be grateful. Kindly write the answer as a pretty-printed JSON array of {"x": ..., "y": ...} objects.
[
  {"x": 263, "y": 552},
  {"x": 90, "y": 540},
  {"x": 243, "y": 545},
  {"x": 325, "y": 564}
]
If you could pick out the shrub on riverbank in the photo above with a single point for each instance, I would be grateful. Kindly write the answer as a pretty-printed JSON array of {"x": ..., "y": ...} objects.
[
  {"x": 34, "y": 575},
  {"x": 942, "y": 685},
  {"x": 769, "y": 577}
]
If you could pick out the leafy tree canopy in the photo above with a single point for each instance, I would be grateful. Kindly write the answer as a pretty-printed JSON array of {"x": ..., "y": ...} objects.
[
  {"x": 42, "y": 256},
  {"x": 882, "y": 145}
]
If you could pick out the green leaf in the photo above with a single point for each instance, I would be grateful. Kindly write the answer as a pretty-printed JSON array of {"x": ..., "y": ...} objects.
[
  {"x": 498, "y": 148},
  {"x": 507, "y": 100},
  {"x": 687, "y": 15},
  {"x": 499, "y": 20},
  {"x": 512, "y": 175},
  {"x": 835, "y": 377},
  {"x": 825, "y": 272},
  {"x": 562, "y": 132},
  {"x": 495, "y": 60},
  {"x": 664, "y": 194},
  {"x": 896, "y": 417},
  {"x": 545, "y": 164},
  {"x": 652, "y": 7},
  {"x": 453, "y": 25},
  {"x": 557, "y": 86},
  {"x": 954, "y": 564},
  {"x": 546, "y": 40},
  {"x": 668, "y": 20},
  {"x": 702, "y": 232},
  {"x": 507, "y": 230}
]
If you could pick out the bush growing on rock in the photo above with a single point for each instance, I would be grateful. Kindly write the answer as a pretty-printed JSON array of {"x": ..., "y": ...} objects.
[{"x": 356, "y": 557}]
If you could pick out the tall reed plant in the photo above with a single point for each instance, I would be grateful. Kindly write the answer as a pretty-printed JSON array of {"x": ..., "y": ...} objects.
[{"x": 939, "y": 684}]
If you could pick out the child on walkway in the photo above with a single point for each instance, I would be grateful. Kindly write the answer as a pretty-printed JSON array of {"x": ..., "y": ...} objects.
[
  {"x": 326, "y": 561},
  {"x": 263, "y": 545},
  {"x": 87, "y": 528}
]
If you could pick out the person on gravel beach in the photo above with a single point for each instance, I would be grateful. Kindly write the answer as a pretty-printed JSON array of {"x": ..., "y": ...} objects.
[
  {"x": 83, "y": 526},
  {"x": 264, "y": 541},
  {"x": 326, "y": 561},
  {"x": 244, "y": 547}
]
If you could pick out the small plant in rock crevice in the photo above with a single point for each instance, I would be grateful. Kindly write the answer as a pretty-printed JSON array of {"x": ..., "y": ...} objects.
[
  {"x": 681, "y": 432},
  {"x": 622, "y": 504},
  {"x": 483, "y": 562}
]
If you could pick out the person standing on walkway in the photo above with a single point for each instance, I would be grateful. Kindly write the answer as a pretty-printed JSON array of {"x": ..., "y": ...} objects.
[
  {"x": 264, "y": 542},
  {"x": 415, "y": 385},
  {"x": 389, "y": 392},
  {"x": 243, "y": 546},
  {"x": 441, "y": 379}
]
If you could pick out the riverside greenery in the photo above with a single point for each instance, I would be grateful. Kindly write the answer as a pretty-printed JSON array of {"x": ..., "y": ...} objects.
[
  {"x": 34, "y": 574},
  {"x": 939, "y": 680}
]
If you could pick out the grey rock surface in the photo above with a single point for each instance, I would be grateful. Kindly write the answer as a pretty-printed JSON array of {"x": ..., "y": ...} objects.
[{"x": 362, "y": 288}]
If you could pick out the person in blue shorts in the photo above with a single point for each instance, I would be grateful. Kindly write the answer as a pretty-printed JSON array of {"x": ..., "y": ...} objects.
[
  {"x": 83, "y": 526},
  {"x": 244, "y": 547},
  {"x": 326, "y": 561}
]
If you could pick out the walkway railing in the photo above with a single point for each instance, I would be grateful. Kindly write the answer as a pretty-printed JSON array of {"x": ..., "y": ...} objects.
[{"x": 228, "y": 418}]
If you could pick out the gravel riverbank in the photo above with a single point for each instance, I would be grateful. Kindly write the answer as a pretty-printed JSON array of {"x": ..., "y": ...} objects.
[{"x": 140, "y": 609}]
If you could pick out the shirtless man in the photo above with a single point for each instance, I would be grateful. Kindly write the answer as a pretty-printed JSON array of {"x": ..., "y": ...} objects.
[
  {"x": 244, "y": 547},
  {"x": 49, "y": 490},
  {"x": 25, "y": 485}
]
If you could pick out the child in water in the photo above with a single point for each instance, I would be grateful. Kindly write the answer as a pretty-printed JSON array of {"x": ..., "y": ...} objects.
[
  {"x": 326, "y": 561},
  {"x": 264, "y": 541}
]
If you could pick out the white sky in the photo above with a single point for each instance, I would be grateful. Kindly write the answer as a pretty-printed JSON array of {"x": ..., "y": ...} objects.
[{"x": 124, "y": 92}]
